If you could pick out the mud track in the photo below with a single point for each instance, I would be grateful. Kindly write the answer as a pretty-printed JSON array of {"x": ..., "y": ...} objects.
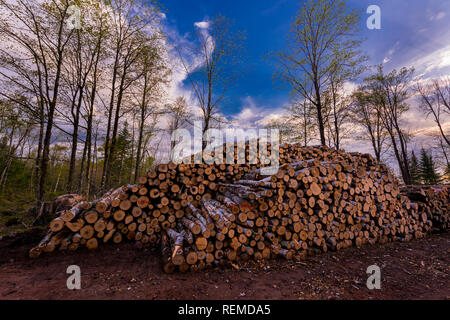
[{"x": 416, "y": 270}]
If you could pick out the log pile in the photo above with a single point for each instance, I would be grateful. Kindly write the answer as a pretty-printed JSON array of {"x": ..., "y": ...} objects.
[
  {"x": 202, "y": 215},
  {"x": 434, "y": 201},
  {"x": 49, "y": 209}
]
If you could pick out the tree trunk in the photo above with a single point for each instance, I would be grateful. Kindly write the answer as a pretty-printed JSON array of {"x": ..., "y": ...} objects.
[
  {"x": 318, "y": 105},
  {"x": 73, "y": 153},
  {"x": 115, "y": 129},
  {"x": 37, "y": 173},
  {"x": 103, "y": 182}
]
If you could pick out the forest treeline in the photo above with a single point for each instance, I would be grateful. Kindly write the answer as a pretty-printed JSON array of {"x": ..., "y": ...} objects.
[{"x": 84, "y": 92}]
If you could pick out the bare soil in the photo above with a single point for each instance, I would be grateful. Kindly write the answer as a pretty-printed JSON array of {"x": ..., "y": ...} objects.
[{"x": 415, "y": 270}]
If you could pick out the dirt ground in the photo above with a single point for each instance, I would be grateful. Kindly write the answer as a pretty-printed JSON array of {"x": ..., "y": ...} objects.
[{"x": 414, "y": 270}]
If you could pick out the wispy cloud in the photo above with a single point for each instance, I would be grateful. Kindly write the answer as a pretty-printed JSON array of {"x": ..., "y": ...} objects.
[
  {"x": 182, "y": 58},
  {"x": 274, "y": 7},
  {"x": 437, "y": 16},
  {"x": 432, "y": 63},
  {"x": 202, "y": 24},
  {"x": 391, "y": 52},
  {"x": 254, "y": 115}
]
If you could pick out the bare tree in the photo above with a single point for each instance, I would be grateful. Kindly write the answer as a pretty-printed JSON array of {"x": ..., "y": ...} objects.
[
  {"x": 179, "y": 115},
  {"x": 389, "y": 93},
  {"x": 148, "y": 93},
  {"x": 132, "y": 20},
  {"x": 337, "y": 114},
  {"x": 98, "y": 34},
  {"x": 368, "y": 116},
  {"x": 285, "y": 128},
  {"x": 323, "y": 43},
  {"x": 84, "y": 51},
  {"x": 434, "y": 100},
  {"x": 39, "y": 38},
  {"x": 220, "y": 51},
  {"x": 301, "y": 120}
]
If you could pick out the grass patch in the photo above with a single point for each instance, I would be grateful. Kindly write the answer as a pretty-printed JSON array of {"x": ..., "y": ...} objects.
[{"x": 14, "y": 215}]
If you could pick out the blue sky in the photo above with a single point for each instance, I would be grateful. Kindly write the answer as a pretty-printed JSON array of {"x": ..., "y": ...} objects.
[
  {"x": 413, "y": 33},
  {"x": 411, "y": 29},
  {"x": 266, "y": 24}
]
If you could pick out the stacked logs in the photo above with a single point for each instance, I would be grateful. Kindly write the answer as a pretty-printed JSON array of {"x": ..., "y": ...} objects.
[
  {"x": 203, "y": 215},
  {"x": 434, "y": 201},
  {"x": 83, "y": 224}
]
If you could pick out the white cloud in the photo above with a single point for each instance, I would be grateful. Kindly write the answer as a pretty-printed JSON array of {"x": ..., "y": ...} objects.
[
  {"x": 204, "y": 32},
  {"x": 434, "y": 61},
  {"x": 391, "y": 52},
  {"x": 202, "y": 24},
  {"x": 180, "y": 58},
  {"x": 253, "y": 115},
  {"x": 440, "y": 15},
  {"x": 183, "y": 57},
  {"x": 349, "y": 88}
]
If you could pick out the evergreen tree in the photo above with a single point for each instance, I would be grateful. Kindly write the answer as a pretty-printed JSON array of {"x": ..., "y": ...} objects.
[
  {"x": 414, "y": 169},
  {"x": 428, "y": 169},
  {"x": 446, "y": 177}
]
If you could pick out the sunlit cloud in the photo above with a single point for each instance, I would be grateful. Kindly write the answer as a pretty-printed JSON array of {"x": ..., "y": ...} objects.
[{"x": 202, "y": 24}]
